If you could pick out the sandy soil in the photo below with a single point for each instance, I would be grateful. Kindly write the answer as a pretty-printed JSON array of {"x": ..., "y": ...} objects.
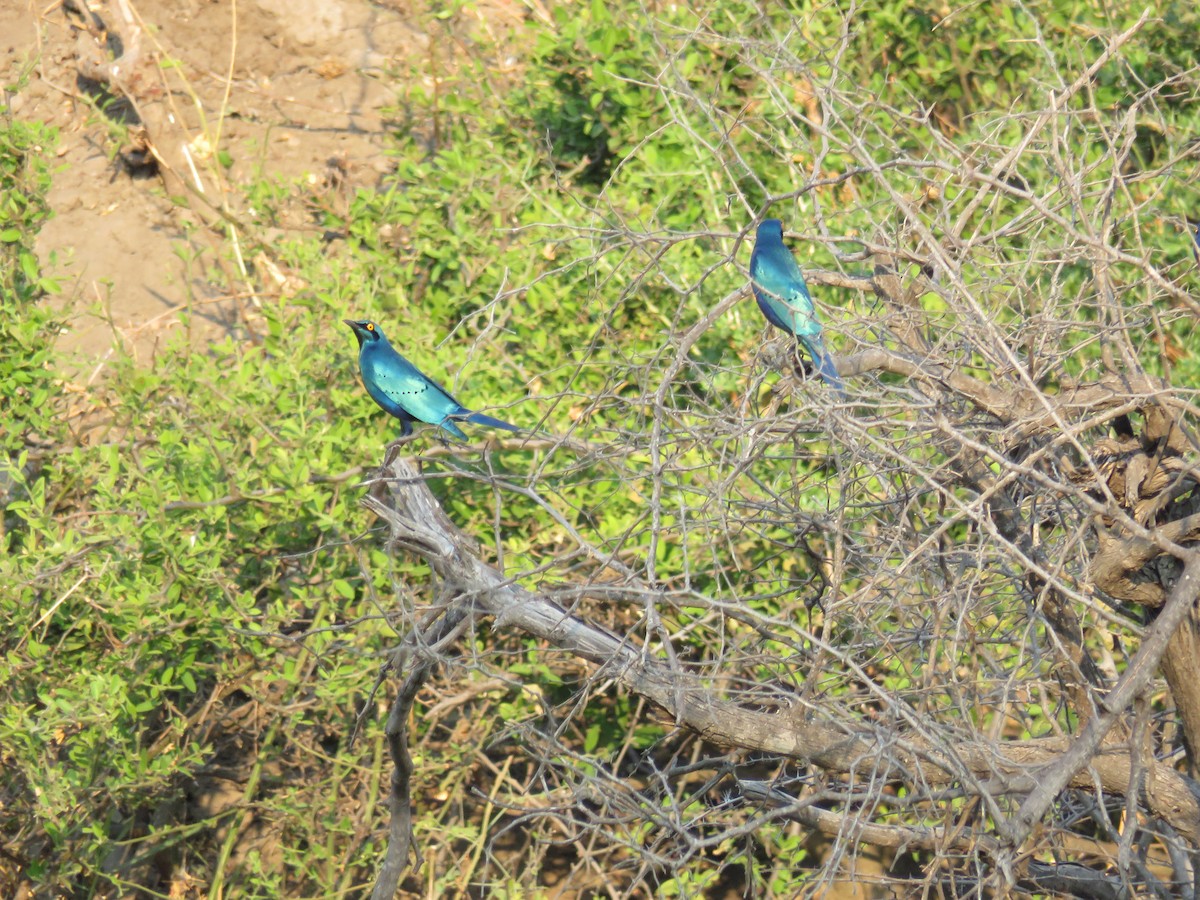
[{"x": 289, "y": 89}]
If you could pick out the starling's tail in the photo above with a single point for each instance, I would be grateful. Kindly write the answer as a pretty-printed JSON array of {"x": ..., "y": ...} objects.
[
  {"x": 481, "y": 419},
  {"x": 825, "y": 365}
]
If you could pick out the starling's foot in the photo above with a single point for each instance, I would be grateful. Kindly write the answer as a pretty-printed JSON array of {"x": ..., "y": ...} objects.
[
  {"x": 393, "y": 449},
  {"x": 801, "y": 365},
  {"x": 402, "y": 440}
]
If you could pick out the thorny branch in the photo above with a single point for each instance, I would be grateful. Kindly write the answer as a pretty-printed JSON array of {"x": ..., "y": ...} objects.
[{"x": 788, "y": 726}]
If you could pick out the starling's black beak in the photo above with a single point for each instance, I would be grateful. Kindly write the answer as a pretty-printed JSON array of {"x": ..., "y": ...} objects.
[{"x": 356, "y": 327}]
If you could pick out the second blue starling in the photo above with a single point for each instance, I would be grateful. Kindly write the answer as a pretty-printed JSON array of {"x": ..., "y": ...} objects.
[
  {"x": 783, "y": 297},
  {"x": 406, "y": 392}
]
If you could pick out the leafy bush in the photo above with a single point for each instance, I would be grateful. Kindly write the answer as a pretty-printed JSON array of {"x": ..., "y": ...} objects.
[{"x": 200, "y": 608}]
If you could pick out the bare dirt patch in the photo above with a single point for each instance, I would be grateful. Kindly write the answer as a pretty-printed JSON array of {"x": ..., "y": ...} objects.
[{"x": 166, "y": 108}]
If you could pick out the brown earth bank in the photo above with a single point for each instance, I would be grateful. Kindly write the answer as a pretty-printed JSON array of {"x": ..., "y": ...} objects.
[{"x": 167, "y": 109}]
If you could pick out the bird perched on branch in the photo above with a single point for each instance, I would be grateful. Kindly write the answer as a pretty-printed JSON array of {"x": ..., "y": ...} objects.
[
  {"x": 783, "y": 297},
  {"x": 405, "y": 391}
]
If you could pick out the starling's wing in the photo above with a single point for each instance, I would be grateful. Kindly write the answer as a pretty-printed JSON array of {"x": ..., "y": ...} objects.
[
  {"x": 399, "y": 386},
  {"x": 781, "y": 292}
]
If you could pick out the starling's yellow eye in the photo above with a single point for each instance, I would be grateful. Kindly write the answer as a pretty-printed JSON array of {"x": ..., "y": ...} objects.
[{"x": 370, "y": 326}]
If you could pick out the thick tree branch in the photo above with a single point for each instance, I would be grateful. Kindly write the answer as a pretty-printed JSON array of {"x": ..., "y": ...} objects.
[
  {"x": 417, "y": 653},
  {"x": 1068, "y": 878},
  {"x": 417, "y": 522},
  {"x": 1135, "y": 680}
]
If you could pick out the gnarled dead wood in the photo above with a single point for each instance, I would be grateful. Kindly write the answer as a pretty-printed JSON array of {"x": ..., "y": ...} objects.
[{"x": 785, "y": 726}]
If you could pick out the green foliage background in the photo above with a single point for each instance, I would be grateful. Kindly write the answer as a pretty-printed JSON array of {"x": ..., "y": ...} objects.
[{"x": 194, "y": 598}]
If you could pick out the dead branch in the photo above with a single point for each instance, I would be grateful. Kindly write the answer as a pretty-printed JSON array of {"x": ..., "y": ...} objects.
[{"x": 786, "y": 725}]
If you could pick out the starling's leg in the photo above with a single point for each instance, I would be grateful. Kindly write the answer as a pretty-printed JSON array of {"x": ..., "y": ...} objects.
[
  {"x": 401, "y": 441},
  {"x": 393, "y": 449},
  {"x": 802, "y": 366}
]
